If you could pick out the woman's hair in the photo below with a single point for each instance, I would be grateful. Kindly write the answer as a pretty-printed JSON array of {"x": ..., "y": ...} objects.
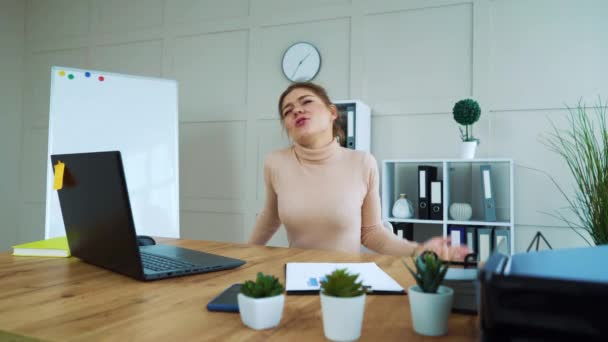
[{"x": 322, "y": 94}]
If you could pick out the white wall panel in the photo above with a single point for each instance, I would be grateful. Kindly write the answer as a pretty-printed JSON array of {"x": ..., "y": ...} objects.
[
  {"x": 137, "y": 58},
  {"x": 263, "y": 7},
  {"x": 125, "y": 16},
  {"x": 272, "y": 136},
  {"x": 34, "y": 165},
  {"x": 212, "y": 226},
  {"x": 31, "y": 225},
  {"x": 57, "y": 18},
  {"x": 422, "y": 136},
  {"x": 212, "y": 73},
  {"x": 12, "y": 51},
  {"x": 418, "y": 60},
  {"x": 192, "y": 11},
  {"x": 546, "y": 53},
  {"x": 212, "y": 159}
]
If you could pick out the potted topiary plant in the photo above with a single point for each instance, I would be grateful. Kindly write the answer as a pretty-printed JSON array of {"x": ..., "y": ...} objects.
[
  {"x": 466, "y": 112},
  {"x": 342, "y": 305},
  {"x": 261, "y": 302},
  {"x": 430, "y": 302}
]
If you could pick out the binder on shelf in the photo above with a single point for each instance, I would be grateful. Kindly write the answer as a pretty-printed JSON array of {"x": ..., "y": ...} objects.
[
  {"x": 426, "y": 174},
  {"x": 471, "y": 237},
  {"x": 354, "y": 117},
  {"x": 350, "y": 128},
  {"x": 484, "y": 243},
  {"x": 458, "y": 235},
  {"x": 404, "y": 230},
  {"x": 489, "y": 205},
  {"x": 436, "y": 212},
  {"x": 502, "y": 241}
]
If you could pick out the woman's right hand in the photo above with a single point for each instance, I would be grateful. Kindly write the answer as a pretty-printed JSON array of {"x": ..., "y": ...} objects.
[{"x": 444, "y": 249}]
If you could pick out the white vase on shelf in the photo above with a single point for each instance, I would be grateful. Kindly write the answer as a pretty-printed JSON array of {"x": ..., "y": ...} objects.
[
  {"x": 461, "y": 211},
  {"x": 403, "y": 208},
  {"x": 467, "y": 149}
]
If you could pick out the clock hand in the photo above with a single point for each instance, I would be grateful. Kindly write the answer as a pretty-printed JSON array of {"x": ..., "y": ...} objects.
[{"x": 298, "y": 67}]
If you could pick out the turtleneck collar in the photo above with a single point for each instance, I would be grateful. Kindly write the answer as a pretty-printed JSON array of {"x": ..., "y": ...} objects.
[{"x": 316, "y": 155}]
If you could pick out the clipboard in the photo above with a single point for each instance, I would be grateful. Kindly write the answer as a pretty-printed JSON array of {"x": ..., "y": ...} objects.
[{"x": 304, "y": 278}]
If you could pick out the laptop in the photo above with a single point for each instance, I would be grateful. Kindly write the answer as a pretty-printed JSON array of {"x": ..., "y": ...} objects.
[{"x": 99, "y": 224}]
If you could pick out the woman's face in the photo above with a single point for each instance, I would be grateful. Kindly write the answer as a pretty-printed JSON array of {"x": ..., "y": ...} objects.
[{"x": 306, "y": 117}]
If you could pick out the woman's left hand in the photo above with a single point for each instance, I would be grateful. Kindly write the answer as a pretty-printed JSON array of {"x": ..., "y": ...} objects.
[{"x": 444, "y": 249}]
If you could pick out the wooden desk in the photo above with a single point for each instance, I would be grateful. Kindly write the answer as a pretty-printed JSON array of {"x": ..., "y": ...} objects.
[{"x": 65, "y": 299}]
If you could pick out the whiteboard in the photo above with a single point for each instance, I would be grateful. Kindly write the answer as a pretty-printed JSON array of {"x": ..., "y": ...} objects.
[{"x": 100, "y": 111}]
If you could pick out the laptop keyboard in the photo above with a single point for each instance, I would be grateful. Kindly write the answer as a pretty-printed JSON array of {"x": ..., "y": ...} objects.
[{"x": 158, "y": 263}]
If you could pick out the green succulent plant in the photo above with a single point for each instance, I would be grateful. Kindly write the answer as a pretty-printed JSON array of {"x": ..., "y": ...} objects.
[
  {"x": 430, "y": 271},
  {"x": 466, "y": 112},
  {"x": 342, "y": 284},
  {"x": 264, "y": 286}
]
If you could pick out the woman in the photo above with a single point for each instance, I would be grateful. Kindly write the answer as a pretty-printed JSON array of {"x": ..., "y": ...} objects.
[{"x": 327, "y": 196}]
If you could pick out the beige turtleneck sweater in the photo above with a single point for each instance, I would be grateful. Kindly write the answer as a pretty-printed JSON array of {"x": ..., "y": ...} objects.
[{"x": 326, "y": 198}]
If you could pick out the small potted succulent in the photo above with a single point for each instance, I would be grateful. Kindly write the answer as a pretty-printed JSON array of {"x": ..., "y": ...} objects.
[
  {"x": 342, "y": 305},
  {"x": 261, "y": 302},
  {"x": 466, "y": 113},
  {"x": 430, "y": 302}
]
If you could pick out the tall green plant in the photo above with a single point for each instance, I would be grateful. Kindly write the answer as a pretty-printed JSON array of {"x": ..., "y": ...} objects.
[{"x": 584, "y": 148}]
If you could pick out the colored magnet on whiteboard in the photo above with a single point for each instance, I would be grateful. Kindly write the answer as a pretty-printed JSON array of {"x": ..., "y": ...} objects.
[
  {"x": 58, "y": 181},
  {"x": 61, "y": 73},
  {"x": 87, "y": 74},
  {"x": 101, "y": 78},
  {"x": 71, "y": 76}
]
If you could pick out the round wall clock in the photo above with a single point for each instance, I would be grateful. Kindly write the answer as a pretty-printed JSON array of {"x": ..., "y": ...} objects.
[{"x": 301, "y": 62}]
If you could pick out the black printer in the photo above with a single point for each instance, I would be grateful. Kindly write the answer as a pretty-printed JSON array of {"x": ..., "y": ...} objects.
[{"x": 557, "y": 295}]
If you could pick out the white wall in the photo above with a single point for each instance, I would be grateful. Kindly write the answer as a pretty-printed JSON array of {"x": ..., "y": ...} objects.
[
  {"x": 409, "y": 60},
  {"x": 12, "y": 41}
]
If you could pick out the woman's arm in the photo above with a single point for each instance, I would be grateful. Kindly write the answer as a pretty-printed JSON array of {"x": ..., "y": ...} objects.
[{"x": 267, "y": 222}]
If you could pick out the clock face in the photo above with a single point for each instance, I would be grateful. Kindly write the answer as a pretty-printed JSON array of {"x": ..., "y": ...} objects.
[{"x": 301, "y": 62}]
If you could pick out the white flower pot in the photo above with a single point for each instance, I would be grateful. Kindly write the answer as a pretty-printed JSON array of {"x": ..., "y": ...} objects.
[
  {"x": 261, "y": 313},
  {"x": 430, "y": 311},
  {"x": 461, "y": 211},
  {"x": 467, "y": 149},
  {"x": 342, "y": 317}
]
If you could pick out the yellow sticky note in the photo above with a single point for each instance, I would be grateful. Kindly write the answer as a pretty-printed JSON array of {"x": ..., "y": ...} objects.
[{"x": 58, "y": 182}]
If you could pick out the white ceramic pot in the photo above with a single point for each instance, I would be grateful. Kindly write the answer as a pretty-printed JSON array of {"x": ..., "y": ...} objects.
[
  {"x": 430, "y": 311},
  {"x": 461, "y": 211},
  {"x": 342, "y": 317},
  {"x": 261, "y": 313},
  {"x": 467, "y": 149}
]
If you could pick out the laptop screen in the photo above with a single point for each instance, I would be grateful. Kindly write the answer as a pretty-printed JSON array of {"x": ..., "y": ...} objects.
[{"x": 96, "y": 211}]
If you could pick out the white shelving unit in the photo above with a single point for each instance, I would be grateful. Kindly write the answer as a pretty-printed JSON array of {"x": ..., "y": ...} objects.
[{"x": 461, "y": 183}]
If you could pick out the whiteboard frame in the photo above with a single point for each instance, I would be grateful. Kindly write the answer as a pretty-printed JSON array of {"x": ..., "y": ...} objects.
[{"x": 174, "y": 229}]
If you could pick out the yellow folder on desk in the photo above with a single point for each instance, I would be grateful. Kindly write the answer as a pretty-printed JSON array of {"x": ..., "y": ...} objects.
[{"x": 55, "y": 247}]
